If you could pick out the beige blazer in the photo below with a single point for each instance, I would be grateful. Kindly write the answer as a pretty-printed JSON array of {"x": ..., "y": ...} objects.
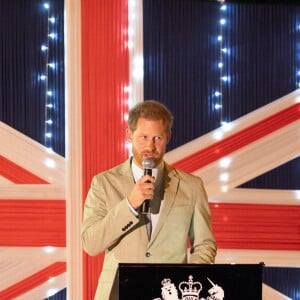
[{"x": 110, "y": 226}]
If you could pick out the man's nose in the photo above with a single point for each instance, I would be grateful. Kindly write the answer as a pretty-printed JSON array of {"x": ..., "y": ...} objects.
[{"x": 151, "y": 143}]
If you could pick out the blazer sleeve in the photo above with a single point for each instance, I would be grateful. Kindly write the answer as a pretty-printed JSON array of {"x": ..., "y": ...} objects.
[
  {"x": 203, "y": 244},
  {"x": 106, "y": 216}
]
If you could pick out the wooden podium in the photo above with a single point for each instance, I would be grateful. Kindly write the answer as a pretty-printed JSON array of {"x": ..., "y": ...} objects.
[{"x": 190, "y": 281}]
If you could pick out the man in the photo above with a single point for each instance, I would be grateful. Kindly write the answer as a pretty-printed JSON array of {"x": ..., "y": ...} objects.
[{"x": 179, "y": 208}]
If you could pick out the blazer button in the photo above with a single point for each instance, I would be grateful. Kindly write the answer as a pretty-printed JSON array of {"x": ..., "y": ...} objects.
[{"x": 148, "y": 254}]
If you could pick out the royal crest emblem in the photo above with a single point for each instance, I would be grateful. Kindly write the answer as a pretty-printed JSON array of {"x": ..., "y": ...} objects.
[{"x": 190, "y": 290}]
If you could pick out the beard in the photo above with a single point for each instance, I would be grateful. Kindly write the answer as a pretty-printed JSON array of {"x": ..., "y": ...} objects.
[{"x": 139, "y": 157}]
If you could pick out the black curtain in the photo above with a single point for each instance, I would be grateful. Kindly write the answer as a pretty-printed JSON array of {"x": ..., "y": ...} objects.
[
  {"x": 181, "y": 57},
  {"x": 24, "y": 27}
]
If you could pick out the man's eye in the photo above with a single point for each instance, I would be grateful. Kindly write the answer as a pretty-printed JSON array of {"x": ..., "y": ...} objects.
[{"x": 157, "y": 138}]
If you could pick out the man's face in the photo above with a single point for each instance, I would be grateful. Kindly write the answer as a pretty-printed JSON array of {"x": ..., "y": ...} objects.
[{"x": 148, "y": 140}]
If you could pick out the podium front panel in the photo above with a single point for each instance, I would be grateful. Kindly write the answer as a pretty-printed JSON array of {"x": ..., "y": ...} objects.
[{"x": 190, "y": 281}]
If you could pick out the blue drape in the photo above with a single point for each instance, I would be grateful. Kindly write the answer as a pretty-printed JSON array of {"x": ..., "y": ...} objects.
[
  {"x": 181, "y": 56},
  {"x": 24, "y": 29}
]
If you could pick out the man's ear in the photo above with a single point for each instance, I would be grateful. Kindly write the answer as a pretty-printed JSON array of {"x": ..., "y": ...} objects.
[{"x": 129, "y": 134}]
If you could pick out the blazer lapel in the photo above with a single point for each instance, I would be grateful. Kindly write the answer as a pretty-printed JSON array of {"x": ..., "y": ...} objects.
[
  {"x": 126, "y": 184},
  {"x": 171, "y": 187}
]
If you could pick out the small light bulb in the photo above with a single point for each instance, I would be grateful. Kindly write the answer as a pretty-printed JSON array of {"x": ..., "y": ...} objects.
[
  {"x": 130, "y": 31},
  {"x": 52, "y": 20},
  {"x": 226, "y": 126},
  {"x": 225, "y": 162},
  {"x": 51, "y": 65},
  {"x": 130, "y": 44},
  {"x": 52, "y": 35},
  {"x": 49, "y": 150},
  {"x": 218, "y": 135},
  {"x": 224, "y": 177},
  {"x": 44, "y": 48},
  {"x": 49, "y": 249},
  {"x": 225, "y": 78},
  {"x": 224, "y": 188},
  {"x": 127, "y": 89},
  {"x": 50, "y": 163}
]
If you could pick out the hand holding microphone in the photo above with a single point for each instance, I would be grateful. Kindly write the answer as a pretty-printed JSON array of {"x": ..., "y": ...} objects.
[
  {"x": 148, "y": 165},
  {"x": 143, "y": 189}
]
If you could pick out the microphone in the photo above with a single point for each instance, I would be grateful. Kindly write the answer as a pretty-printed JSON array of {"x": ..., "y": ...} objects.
[{"x": 148, "y": 165}]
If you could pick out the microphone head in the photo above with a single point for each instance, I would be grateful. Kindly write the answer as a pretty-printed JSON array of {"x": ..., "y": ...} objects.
[{"x": 148, "y": 163}]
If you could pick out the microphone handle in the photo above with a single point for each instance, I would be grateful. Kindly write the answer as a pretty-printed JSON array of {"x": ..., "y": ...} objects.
[
  {"x": 146, "y": 204},
  {"x": 145, "y": 207}
]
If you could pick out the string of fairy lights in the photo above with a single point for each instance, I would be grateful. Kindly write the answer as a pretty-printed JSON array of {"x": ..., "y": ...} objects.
[
  {"x": 224, "y": 78},
  {"x": 49, "y": 69},
  {"x": 137, "y": 66},
  {"x": 136, "y": 56}
]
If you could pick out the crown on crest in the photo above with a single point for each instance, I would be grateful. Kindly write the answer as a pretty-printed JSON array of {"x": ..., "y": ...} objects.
[{"x": 190, "y": 290}]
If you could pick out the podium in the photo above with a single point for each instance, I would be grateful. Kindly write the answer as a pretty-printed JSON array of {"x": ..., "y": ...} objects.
[{"x": 190, "y": 281}]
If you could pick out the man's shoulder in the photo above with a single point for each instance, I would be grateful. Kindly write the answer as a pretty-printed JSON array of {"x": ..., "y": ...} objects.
[
  {"x": 173, "y": 171},
  {"x": 119, "y": 169}
]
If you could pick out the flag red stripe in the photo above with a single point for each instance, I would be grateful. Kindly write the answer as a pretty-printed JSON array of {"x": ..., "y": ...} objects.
[
  {"x": 256, "y": 226},
  {"x": 17, "y": 174},
  {"x": 236, "y": 226},
  {"x": 240, "y": 139},
  {"x": 33, "y": 223},
  {"x": 105, "y": 76},
  {"x": 33, "y": 281}
]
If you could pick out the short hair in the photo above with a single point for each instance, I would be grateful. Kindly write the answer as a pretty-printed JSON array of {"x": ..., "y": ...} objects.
[{"x": 152, "y": 110}]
